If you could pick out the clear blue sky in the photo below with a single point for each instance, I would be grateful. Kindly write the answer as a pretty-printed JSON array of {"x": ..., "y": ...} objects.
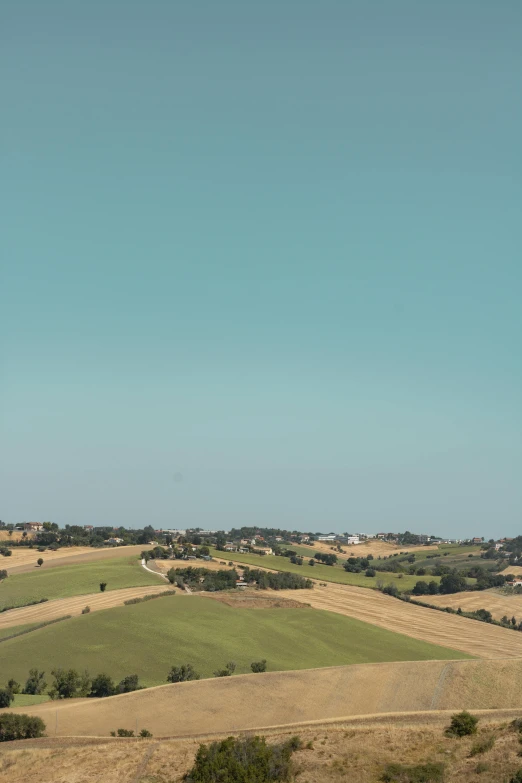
[{"x": 261, "y": 263}]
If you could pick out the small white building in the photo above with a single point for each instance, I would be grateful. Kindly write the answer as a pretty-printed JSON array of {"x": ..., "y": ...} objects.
[
  {"x": 353, "y": 540},
  {"x": 330, "y": 537}
]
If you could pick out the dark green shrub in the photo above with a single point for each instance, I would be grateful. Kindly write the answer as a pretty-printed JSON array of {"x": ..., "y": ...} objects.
[
  {"x": 103, "y": 585},
  {"x": 13, "y": 686},
  {"x": 125, "y": 733},
  {"x": 258, "y": 666},
  {"x": 3, "y": 574},
  {"x": 145, "y": 733},
  {"x": 182, "y": 673},
  {"x": 248, "y": 760},
  {"x": 35, "y": 684},
  {"x": 229, "y": 669},
  {"x": 128, "y": 684},
  {"x": 418, "y": 773},
  {"x": 517, "y": 777},
  {"x": 462, "y": 724},
  {"x": 370, "y": 572},
  {"x": 102, "y": 686},
  {"x": 14, "y": 727},
  {"x": 6, "y": 697},
  {"x": 86, "y": 610}
]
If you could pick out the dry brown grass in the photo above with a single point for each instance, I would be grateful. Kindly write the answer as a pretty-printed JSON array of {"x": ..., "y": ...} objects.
[
  {"x": 495, "y": 602},
  {"x": 517, "y": 570},
  {"x": 279, "y": 698},
  {"x": 16, "y": 535},
  {"x": 373, "y": 546},
  {"x": 354, "y": 750},
  {"x": 24, "y": 559},
  {"x": 457, "y": 633},
  {"x": 40, "y": 613}
]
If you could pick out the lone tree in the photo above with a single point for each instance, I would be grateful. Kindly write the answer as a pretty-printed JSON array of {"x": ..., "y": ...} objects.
[
  {"x": 103, "y": 585},
  {"x": 40, "y": 561},
  {"x": 462, "y": 724},
  {"x": 171, "y": 575}
]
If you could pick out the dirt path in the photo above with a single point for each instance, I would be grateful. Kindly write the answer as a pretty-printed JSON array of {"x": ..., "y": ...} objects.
[
  {"x": 49, "y": 610},
  {"x": 457, "y": 633}
]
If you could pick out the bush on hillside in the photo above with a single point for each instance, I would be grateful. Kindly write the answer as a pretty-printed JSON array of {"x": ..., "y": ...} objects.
[
  {"x": 6, "y": 697},
  {"x": 248, "y": 760},
  {"x": 3, "y": 574},
  {"x": 229, "y": 669},
  {"x": 129, "y": 684},
  {"x": 14, "y": 727},
  {"x": 13, "y": 686},
  {"x": 182, "y": 673},
  {"x": 517, "y": 777},
  {"x": 258, "y": 666},
  {"x": 69, "y": 684},
  {"x": 462, "y": 724},
  {"x": 35, "y": 684},
  {"x": 86, "y": 610},
  {"x": 103, "y": 585},
  {"x": 482, "y": 745},
  {"x": 102, "y": 685},
  {"x": 418, "y": 773}
]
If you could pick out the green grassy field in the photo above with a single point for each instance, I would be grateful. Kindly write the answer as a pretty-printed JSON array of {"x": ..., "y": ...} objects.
[
  {"x": 78, "y": 579},
  {"x": 147, "y": 639},
  {"x": 25, "y": 700},
  {"x": 16, "y": 629},
  {"x": 324, "y": 573}
]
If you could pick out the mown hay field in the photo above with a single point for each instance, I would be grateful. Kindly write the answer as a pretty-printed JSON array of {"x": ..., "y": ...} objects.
[
  {"x": 499, "y": 604},
  {"x": 69, "y": 580},
  {"x": 50, "y": 610},
  {"x": 148, "y": 638},
  {"x": 471, "y": 636}
]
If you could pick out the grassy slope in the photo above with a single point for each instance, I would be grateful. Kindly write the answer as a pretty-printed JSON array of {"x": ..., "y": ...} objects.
[
  {"x": 147, "y": 639},
  {"x": 15, "y": 629},
  {"x": 323, "y": 572},
  {"x": 66, "y": 581}
]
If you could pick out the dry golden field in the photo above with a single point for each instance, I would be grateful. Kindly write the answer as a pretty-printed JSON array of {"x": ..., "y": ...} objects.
[
  {"x": 275, "y": 699},
  {"x": 41, "y": 613},
  {"x": 458, "y": 633},
  {"x": 372, "y": 546},
  {"x": 516, "y": 570},
  {"x": 354, "y": 750},
  {"x": 495, "y": 602}
]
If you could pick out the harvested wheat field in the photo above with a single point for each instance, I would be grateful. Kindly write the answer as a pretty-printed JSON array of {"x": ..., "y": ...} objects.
[
  {"x": 280, "y": 698},
  {"x": 41, "y": 613},
  {"x": 356, "y": 750},
  {"x": 516, "y": 570},
  {"x": 372, "y": 546},
  {"x": 24, "y": 559},
  {"x": 498, "y": 604},
  {"x": 459, "y": 633}
]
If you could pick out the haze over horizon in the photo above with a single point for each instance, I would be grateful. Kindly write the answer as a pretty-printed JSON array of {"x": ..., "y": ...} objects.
[{"x": 261, "y": 264}]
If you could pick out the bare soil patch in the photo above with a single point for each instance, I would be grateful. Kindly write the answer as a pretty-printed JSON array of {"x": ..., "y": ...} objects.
[{"x": 255, "y": 599}]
